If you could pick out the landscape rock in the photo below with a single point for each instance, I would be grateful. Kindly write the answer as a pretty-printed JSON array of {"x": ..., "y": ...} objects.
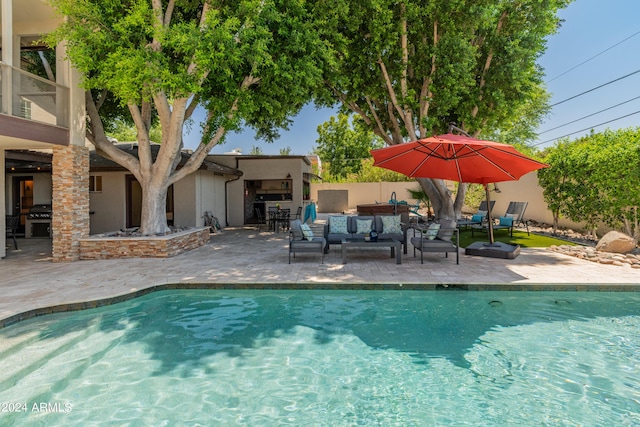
[{"x": 616, "y": 242}]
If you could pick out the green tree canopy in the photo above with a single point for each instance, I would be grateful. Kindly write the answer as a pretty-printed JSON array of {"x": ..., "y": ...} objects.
[
  {"x": 366, "y": 173},
  {"x": 343, "y": 143},
  {"x": 596, "y": 179},
  {"x": 410, "y": 68},
  {"x": 251, "y": 61}
]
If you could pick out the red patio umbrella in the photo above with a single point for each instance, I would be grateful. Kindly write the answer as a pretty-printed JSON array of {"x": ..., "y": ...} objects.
[{"x": 457, "y": 158}]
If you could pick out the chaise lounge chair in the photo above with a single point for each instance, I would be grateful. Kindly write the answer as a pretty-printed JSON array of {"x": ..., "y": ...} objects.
[
  {"x": 479, "y": 218},
  {"x": 513, "y": 217}
]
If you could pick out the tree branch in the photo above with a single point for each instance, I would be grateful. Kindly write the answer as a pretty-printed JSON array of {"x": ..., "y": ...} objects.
[
  {"x": 47, "y": 66},
  {"x": 380, "y": 128},
  {"x": 425, "y": 92},
  {"x": 164, "y": 112},
  {"x": 408, "y": 114},
  {"x": 396, "y": 131},
  {"x": 158, "y": 25},
  {"x": 394, "y": 98},
  {"x": 169, "y": 13},
  {"x": 203, "y": 149},
  {"x": 102, "y": 144},
  {"x": 103, "y": 97},
  {"x": 192, "y": 106},
  {"x": 487, "y": 64},
  {"x": 172, "y": 139},
  {"x": 144, "y": 148}
]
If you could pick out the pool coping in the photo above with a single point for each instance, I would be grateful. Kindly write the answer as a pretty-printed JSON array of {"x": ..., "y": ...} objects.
[{"x": 502, "y": 287}]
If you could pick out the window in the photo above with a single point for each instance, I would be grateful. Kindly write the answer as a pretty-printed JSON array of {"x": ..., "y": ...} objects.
[
  {"x": 25, "y": 109},
  {"x": 95, "y": 183}
]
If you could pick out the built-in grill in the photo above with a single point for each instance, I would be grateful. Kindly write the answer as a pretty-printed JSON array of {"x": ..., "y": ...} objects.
[
  {"x": 38, "y": 221},
  {"x": 40, "y": 212}
]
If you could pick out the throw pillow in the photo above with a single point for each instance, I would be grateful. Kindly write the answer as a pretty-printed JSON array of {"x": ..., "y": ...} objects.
[
  {"x": 506, "y": 221},
  {"x": 432, "y": 231},
  {"x": 477, "y": 218},
  {"x": 338, "y": 224},
  {"x": 391, "y": 224},
  {"x": 363, "y": 226},
  {"x": 306, "y": 231}
]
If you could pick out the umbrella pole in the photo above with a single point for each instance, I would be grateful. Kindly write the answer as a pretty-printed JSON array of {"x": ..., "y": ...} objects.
[{"x": 486, "y": 189}]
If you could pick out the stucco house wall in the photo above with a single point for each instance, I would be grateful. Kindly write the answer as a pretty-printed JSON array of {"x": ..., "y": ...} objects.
[
  {"x": 196, "y": 194},
  {"x": 107, "y": 207},
  {"x": 192, "y": 196},
  {"x": 259, "y": 168}
]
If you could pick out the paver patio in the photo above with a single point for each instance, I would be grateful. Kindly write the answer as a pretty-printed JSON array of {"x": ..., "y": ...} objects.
[{"x": 244, "y": 257}]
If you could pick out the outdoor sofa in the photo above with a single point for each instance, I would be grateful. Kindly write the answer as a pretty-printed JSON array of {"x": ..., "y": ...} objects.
[{"x": 357, "y": 227}]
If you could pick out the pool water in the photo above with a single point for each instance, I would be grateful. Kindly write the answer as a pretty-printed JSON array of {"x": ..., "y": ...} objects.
[{"x": 328, "y": 358}]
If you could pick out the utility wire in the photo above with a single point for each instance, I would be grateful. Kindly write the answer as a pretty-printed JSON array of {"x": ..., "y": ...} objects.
[
  {"x": 589, "y": 115},
  {"x": 595, "y": 88},
  {"x": 590, "y": 127},
  {"x": 593, "y": 57}
]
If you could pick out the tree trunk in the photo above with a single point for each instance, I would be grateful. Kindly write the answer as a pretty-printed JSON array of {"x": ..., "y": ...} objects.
[
  {"x": 441, "y": 200},
  {"x": 153, "y": 220}
]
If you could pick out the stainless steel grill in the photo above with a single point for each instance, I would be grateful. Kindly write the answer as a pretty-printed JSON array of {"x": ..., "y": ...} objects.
[
  {"x": 38, "y": 221},
  {"x": 40, "y": 212}
]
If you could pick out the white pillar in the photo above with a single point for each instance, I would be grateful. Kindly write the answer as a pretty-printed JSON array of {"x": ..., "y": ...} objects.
[
  {"x": 3, "y": 208},
  {"x": 68, "y": 76},
  {"x": 7, "y": 53}
]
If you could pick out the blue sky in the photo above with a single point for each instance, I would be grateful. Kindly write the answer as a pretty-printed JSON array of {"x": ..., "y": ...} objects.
[{"x": 589, "y": 28}]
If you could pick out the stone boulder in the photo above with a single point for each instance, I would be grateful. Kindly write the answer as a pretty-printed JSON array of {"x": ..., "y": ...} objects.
[{"x": 616, "y": 242}]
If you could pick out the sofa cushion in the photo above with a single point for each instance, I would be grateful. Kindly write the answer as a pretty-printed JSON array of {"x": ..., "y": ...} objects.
[
  {"x": 363, "y": 226},
  {"x": 506, "y": 221},
  {"x": 432, "y": 232},
  {"x": 338, "y": 224},
  {"x": 391, "y": 224},
  {"x": 352, "y": 222},
  {"x": 296, "y": 229},
  {"x": 306, "y": 231}
]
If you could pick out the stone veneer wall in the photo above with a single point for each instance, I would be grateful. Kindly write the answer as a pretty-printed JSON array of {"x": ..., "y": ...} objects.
[
  {"x": 70, "y": 202},
  {"x": 98, "y": 247}
]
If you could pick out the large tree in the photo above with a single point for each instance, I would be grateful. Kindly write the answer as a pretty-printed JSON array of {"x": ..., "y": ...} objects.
[
  {"x": 243, "y": 61},
  {"x": 596, "y": 179},
  {"x": 409, "y": 68},
  {"x": 343, "y": 142}
]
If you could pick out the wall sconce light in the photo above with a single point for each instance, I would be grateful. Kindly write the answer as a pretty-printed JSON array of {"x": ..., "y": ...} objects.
[
  {"x": 495, "y": 188},
  {"x": 288, "y": 175}
]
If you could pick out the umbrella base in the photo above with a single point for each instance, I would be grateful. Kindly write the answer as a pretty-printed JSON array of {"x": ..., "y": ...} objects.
[{"x": 493, "y": 250}]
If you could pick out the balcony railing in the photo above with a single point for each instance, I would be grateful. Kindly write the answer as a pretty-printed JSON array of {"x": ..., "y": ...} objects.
[{"x": 31, "y": 97}]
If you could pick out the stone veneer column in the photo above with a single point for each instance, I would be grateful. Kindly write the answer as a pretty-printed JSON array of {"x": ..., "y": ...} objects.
[{"x": 70, "y": 170}]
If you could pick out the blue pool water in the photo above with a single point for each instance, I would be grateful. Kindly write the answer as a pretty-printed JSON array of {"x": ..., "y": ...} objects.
[{"x": 329, "y": 358}]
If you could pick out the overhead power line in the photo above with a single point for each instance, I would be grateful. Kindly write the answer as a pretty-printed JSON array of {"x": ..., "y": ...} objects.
[
  {"x": 585, "y": 129},
  {"x": 589, "y": 115},
  {"x": 594, "y": 56},
  {"x": 595, "y": 88}
]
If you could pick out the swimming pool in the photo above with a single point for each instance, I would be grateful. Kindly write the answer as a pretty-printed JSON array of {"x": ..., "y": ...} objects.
[{"x": 405, "y": 358}]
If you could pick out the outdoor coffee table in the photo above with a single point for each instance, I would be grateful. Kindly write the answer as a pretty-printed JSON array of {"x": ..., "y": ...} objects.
[{"x": 380, "y": 243}]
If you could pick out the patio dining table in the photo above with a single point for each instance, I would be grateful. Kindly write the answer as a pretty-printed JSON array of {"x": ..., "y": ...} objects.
[{"x": 279, "y": 218}]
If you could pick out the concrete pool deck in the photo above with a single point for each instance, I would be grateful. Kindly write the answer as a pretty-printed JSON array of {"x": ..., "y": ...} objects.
[{"x": 245, "y": 258}]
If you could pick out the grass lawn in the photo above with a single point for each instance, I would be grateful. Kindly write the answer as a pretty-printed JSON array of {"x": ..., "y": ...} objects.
[{"x": 519, "y": 238}]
